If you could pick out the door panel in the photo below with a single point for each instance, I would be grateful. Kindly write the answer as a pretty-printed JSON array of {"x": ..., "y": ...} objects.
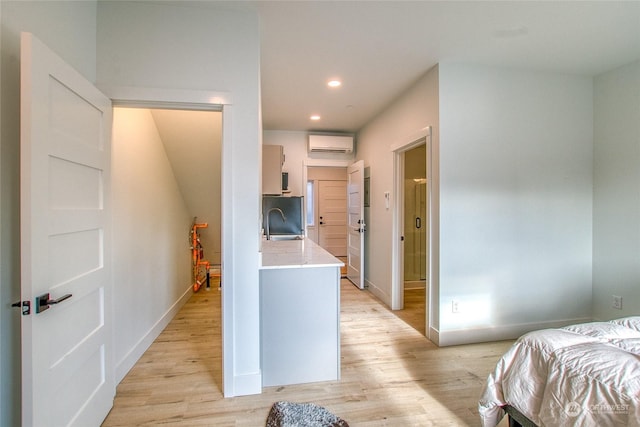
[
  {"x": 415, "y": 228},
  {"x": 67, "y": 366},
  {"x": 332, "y": 211},
  {"x": 355, "y": 224}
]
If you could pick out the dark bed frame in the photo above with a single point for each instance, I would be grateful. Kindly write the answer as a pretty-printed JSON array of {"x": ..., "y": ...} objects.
[{"x": 516, "y": 419}]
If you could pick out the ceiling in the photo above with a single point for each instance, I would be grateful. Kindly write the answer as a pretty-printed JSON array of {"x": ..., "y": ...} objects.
[{"x": 380, "y": 48}]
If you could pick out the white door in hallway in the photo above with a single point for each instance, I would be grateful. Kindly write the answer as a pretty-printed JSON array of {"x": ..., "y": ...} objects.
[
  {"x": 332, "y": 219},
  {"x": 67, "y": 363},
  {"x": 355, "y": 223}
]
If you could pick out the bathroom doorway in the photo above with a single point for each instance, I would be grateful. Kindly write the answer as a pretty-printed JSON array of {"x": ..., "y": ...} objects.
[
  {"x": 415, "y": 236},
  {"x": 415, "y": 227},
  {"x": 412, "y": 239}
]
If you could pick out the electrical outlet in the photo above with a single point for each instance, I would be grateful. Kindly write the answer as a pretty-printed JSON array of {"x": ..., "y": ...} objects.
[
  {"x": 617, "y": 302},
  {"x": 455, "y": 306}
]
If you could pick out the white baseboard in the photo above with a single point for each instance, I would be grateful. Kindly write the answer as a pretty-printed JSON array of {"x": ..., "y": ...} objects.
[
  {"x": 379, "y": 293},
  {"x": 130, "y": 359},
  {"x": 247, "y": 384},
  {"x": 499, "y": 333}
]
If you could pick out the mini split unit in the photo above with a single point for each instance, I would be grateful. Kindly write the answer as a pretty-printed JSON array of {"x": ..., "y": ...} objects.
[{"x": 330, "y": 143}]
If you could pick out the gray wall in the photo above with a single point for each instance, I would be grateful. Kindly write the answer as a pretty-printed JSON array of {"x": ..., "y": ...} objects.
[
  {"x": 516, "y": 161},
  {"x": 616, "y": 212},
  {"x": 512, "y": 160}
]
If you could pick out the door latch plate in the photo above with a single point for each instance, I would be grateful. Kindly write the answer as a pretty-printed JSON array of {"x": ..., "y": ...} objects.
[{"x": 25, "y": 307}]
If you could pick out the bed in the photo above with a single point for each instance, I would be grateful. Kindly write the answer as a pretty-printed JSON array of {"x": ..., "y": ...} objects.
[{"x": 581, "y": 375}]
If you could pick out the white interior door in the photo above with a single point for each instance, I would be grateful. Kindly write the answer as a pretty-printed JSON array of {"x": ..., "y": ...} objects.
[
  {"x": 355, "y": 223},
  {"x": 332, "y": 217},
  {"x": 67, "y": 364}
]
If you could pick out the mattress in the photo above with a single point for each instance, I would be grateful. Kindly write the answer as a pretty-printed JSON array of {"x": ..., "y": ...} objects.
[{"x": 585, "y": 374}]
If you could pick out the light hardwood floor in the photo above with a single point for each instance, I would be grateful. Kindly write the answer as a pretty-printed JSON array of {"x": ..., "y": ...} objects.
[
  {"x": 414, "y": 309},
  {"x": 391, "y": 374}
]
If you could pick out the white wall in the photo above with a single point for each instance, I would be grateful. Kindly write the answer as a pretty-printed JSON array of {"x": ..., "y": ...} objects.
[
  {"x": 192, "y": 140},
  {"x": 151, "y": 223},
  {"x": 412, "y": 111},
  {"x": 69, "y": 28},
  {"x": 185, "y": 47},
  {"x": 616, "y": 211},
  {"x": 516, "y": 159},
  {"x": 295, "y": 150},
  {"x": 512, "y": 173}
]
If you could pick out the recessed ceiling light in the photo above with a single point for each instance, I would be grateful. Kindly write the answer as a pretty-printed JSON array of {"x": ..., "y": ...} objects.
[
  {"x": 315, "y": 117},
  {"x": 334, "y": 83}
]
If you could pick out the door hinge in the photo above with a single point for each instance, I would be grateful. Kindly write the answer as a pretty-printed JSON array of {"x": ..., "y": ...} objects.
[{"x": 24, "y": 305}]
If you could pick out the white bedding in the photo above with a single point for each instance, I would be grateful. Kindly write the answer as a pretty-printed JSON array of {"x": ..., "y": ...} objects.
[{"x": 579, "y": 375}]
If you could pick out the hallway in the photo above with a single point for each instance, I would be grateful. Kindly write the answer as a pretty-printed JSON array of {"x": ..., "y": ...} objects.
[
  {"x": 413, "y": 312},
  {"x": 391, "y": 374}
]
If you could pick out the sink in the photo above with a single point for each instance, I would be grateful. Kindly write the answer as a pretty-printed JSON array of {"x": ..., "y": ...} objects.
[{"x": 286, "y": 237}]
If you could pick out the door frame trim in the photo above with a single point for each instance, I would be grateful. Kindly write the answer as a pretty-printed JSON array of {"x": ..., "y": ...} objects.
[
  {"x": 328, "y": 163},
  {"x": 146, "y": 97},
  {"x": 423, "y": 136}
]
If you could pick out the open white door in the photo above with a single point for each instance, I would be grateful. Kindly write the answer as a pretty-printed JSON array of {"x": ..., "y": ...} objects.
[
  {"x": 355, "y": 223},
  {"x": 67, "y": 364}
]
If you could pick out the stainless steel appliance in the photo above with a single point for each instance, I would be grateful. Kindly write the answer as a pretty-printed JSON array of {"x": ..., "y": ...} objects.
[{"x": 283, "y": 217}]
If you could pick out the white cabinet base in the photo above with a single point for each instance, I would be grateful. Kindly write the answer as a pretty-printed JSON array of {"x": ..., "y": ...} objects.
[{"x": 300, "y": 320}]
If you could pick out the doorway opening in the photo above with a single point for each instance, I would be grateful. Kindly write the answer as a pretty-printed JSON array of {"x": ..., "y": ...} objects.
[
  {"x": 314, "y": 171},
  {"x": 415, "y": 237},
  {"x": 327, "y": 209},
  {"x": 167, "y": 168},
  {"x": 411, "y": 277}
]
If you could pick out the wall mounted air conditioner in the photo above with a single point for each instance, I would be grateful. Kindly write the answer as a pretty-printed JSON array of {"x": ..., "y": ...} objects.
[{"x": 325, "y": 143}]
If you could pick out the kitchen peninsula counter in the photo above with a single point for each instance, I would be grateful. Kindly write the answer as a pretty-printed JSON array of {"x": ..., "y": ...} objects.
[
  {"x": 304, "y": 253},
  {"x": 299, "y": 313}
]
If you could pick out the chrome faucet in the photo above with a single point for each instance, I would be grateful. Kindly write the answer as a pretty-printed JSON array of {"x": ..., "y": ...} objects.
[{"x": 284, "y": 218}]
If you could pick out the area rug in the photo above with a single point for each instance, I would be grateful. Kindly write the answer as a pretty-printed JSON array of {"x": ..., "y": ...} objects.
[{"x": 289, "y": 414}]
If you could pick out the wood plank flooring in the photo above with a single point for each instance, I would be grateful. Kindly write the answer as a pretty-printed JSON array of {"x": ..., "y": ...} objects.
[
  {"x": 413, "y": 313},
  {"x": 391, "y": 374}
]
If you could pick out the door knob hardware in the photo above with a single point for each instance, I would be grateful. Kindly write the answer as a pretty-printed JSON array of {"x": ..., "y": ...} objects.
[
  {"x": 24, "y": 305},
  {"x": 44, "y": 301}
]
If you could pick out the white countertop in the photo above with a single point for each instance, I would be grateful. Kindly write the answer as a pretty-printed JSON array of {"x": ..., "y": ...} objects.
[{"x": 295, "y": 254}]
